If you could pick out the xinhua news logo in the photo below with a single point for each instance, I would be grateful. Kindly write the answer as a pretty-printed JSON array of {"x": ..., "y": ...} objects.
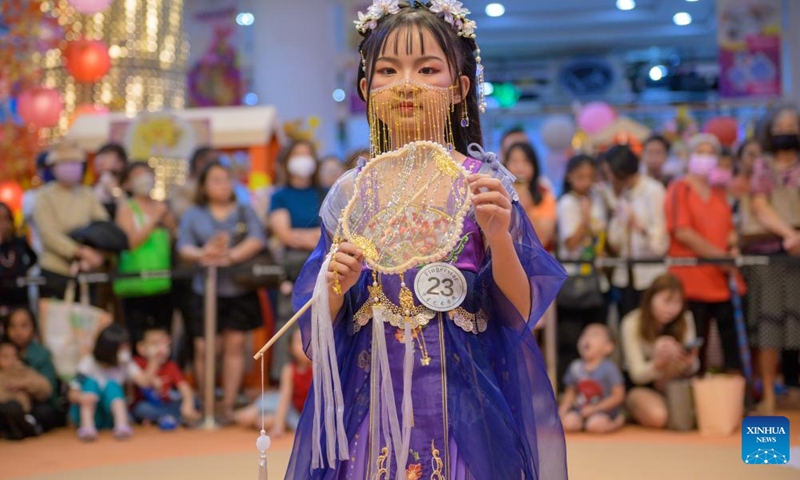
[{"x": 765, "y": 440}]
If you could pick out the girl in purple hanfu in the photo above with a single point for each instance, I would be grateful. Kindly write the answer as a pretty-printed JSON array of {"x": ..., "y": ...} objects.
[{"x": 472, "y": 400}]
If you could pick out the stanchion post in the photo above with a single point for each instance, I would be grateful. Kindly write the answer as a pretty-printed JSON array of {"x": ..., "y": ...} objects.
[
  {"x": 210, "y": 335},
  {"x": 551, "y": 344}
]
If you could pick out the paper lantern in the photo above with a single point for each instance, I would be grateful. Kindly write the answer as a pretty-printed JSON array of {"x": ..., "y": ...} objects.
[
  {"x": 87, "y": 60},
  {"x": 557, "y": 133},
  {"x": 90, "y": 7},
  {"x": 596, "y": 116},
  {"x": 726, "y": 129},
  {"x": 40, "y": 107},
  {"x": 11, "y": 194}
]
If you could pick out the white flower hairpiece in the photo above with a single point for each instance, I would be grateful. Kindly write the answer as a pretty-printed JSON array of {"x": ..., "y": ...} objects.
[
  {"x": 451, "y": 11},
  {"x": 376, "y": 11},
  {"x": 454, "y": 13}
]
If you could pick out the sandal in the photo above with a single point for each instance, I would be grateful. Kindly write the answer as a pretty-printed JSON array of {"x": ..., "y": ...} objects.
[
  {"x": 87, "y": 434},
  {"x": 123, "y": 432}
]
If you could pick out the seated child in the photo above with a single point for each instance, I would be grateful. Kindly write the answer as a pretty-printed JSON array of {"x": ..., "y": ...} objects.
[
  {"x": 97, "y": 394},
  {"x": 165, "y": 397},
  {"x": 595, "y": 389},
  {"x": 282, "y": 408},
  {"x": 20, "y": 329},
  {"x": 20, "y": 386}
]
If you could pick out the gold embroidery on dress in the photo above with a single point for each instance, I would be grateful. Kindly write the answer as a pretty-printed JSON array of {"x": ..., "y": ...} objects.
[
  {"x": 436, "y": 463},
  {"x": 383, "y": 472},
  {"x": 418, "y": 315}
]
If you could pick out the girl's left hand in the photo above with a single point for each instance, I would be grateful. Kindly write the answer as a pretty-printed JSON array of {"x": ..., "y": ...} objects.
[{"x": 492, "y": 205}]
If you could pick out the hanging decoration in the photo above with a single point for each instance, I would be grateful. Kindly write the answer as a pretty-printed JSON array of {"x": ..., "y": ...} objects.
[
  {"x": 87, "y": 60},
  {"x": 90, "y": 7},
  {"x": 40, "y": 107}
]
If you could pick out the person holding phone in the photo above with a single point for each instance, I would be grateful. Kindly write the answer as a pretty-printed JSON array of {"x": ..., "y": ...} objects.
[{"x": 659, "y": 343}]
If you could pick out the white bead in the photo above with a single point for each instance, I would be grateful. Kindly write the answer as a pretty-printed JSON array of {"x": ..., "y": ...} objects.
[{"x": 263, "y": 442}]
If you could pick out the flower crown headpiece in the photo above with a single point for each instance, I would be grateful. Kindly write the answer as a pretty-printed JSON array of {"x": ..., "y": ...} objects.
[{"x": 451, "y": 11}]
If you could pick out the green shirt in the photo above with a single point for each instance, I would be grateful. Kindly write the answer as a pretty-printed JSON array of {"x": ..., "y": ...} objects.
[{"x": 38, "y": 358}]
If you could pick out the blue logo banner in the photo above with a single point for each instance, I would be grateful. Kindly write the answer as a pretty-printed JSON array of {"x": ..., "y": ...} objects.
[{"x": 765, "y": 440}]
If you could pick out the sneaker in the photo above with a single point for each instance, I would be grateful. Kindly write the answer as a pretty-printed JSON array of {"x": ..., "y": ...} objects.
[{"x": 167, "y": 423}]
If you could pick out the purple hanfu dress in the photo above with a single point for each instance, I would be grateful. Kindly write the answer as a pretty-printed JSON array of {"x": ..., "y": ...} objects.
[{"x": 483, "y": 406}]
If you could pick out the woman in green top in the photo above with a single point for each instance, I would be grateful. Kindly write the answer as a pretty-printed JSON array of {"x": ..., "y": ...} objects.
[
  {"x": 149, "y": 224},
  {"x": 20, "y": 329}
]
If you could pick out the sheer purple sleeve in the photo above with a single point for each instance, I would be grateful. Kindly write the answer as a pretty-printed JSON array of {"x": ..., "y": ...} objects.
[{"x": 503, "y": 411}]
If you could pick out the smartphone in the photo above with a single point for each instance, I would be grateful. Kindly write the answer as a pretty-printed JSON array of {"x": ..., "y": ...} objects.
[{"x": 696, "y": 343}]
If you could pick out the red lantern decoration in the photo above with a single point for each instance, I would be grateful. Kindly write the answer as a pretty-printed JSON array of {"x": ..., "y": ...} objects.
[
  {"x": 40, "y": 107},
  {"x": 87, "y": 60},
  {"x": 726, "y": 129},
  {"x": 11, "y": 195}
]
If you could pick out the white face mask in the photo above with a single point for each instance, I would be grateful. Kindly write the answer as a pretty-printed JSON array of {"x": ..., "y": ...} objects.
[
  {"x": 143, "y": 184},
  {"x": 302, "y": 166},
  {"x": 124, "y": 356}
]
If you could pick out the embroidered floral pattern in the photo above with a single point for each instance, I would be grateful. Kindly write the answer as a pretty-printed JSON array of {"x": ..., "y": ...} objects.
[{"x": 414, "y": 472}]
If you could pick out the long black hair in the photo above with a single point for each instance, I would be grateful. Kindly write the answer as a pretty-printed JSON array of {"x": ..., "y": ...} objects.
[
  {"x": 530, "y": 155},
  {"x": 459, "y": 51},
  {"x": 573, "y": 164}
]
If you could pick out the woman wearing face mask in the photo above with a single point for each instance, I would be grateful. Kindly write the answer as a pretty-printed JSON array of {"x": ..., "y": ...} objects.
[
  {"x": 294, "y": 220},
  {"x": 700, "y": 224},
  {"x": 149, "y": 225},
  {"x": 771, "y": 226},
  {"x": 62, "y": 207}
]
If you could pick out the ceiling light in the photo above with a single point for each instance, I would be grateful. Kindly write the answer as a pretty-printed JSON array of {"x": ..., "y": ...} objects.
[
  {"x": 495, "y": 10},
  {"x": 245, "y": 19},
  {"x": 339, "y": 95},
  {"x": 626, "y": 4},
  {"x": 682, "y": 19},
  {"x": 658, "y": 72},
  {"x": 251, "y": 99},
  {"x": 692, "y": 1}
]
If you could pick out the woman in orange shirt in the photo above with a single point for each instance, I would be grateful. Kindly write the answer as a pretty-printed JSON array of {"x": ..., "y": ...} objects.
[
  {"x": 700, "y": 225},
  {"x": 534, "y": 196}
]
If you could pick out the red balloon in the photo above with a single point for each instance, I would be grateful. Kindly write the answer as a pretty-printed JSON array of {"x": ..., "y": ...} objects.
[
  {"x": 40, "y": 107},
  {"x": 11, "y": 195},
  {"x": 87, "y": 60},
  {"x": 726, "y": 129}
]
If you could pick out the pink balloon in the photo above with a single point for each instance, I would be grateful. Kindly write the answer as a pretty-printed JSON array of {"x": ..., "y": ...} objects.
[
  {"x": 40, "y": 107},
  {"x": 89, "y": 7},
  {"x": 596, "y": 116}
]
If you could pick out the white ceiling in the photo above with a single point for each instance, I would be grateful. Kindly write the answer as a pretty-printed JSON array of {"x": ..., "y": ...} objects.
[{"x": 547, "y": 28}]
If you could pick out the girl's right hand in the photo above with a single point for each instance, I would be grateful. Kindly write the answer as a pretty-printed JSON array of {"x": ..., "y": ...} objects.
[{"x": 347, "y": 264}]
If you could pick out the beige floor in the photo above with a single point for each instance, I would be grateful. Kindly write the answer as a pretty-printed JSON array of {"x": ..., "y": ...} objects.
[{"x": 633, "y": 454}]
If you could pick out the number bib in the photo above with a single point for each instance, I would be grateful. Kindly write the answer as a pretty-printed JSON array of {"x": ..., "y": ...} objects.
[{"x": 440, "y": 287}]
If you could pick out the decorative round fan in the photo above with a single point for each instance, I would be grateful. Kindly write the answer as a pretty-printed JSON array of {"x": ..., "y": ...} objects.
[{"x": 408, "y": 207}]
